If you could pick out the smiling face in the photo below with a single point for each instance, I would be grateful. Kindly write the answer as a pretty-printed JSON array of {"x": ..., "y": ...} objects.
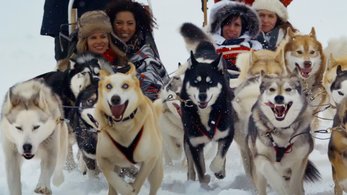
[
  {"x": 232, "y": 29},
  {"x": 124, "y": 25},
  {"x": 98, "y": 42},
  {"x": 281, "y": 100}
]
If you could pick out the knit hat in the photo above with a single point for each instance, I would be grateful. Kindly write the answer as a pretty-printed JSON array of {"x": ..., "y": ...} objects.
[
  {"x": 275, "y": 6},
  {"x": 93, "y": 21}
]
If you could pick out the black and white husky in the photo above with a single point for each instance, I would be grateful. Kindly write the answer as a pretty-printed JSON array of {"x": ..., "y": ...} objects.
[
  {"x": 279, "y": 137},
  {"x": 206, "y": 105}
]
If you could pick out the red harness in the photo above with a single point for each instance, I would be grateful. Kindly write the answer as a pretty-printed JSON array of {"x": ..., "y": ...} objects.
[
  {"x": 210, "y": 134},
  {"x": 230, "y": 53}
]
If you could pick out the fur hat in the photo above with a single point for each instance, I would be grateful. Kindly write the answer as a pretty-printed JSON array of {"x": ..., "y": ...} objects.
[
  {"x": 93, "y": 21},
  {"x": 275, "y": 6},
  {"x": 223, "y": 9}
]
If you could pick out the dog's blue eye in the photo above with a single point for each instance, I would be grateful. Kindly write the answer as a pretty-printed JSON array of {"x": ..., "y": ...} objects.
[
  {"x": 36, "y": 127},
  {"x": 340, "y": 93},
  {"x": 19, "y": 128},
  {"x": 125, "y": 86},
  {"x": 109, "y": 86}
]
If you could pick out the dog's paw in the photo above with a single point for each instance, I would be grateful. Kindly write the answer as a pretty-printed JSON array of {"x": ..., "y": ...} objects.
[
  {"x": 220, "y": 175},
  {"x": 205, "y": 179},
  {"x": 217, "y": 165},
  {"x": 41, "y": 189}
]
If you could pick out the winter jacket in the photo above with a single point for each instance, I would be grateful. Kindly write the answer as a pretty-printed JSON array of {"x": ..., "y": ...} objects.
[
  {"x": 150, "y": 71},
  {"x": 55, "y": 14},
  {"x": 230, "y": 48}
]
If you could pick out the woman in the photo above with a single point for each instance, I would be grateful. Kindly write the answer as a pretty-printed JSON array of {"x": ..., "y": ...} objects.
[
  {"x": 94, "y": 35},
  {"x": 133, "y": 25},
  {"x": 274, "y": 22},
  {"x": 233, "y": 27}
]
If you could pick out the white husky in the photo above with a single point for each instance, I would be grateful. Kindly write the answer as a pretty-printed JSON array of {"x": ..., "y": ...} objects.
[{"x": 31, "y": 125}]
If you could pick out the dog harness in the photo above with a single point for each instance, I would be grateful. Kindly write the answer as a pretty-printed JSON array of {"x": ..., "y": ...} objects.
[
  {"x": 128, "y": 152},
  {"x": 280, "y": 151},
  {"x": 210, "y": 134}
]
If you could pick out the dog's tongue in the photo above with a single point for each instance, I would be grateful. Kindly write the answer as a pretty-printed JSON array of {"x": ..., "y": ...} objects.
[
  {"x": 118, "y": 110},
  {"x": 280, "y": 110},
  {"x": 305, "y": 72}
]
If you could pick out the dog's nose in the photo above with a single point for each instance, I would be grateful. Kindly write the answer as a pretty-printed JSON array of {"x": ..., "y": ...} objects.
[
  {"x": 279, "y": 99},
  {"x": 27, "y": 148},
  {"x": 307, "y": 64},
  {"x": 202, "y": 96},
  {"x": 115, "y": 100}
]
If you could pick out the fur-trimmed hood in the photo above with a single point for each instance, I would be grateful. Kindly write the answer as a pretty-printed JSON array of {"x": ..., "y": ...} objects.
[{"x": 221, "y": 10}]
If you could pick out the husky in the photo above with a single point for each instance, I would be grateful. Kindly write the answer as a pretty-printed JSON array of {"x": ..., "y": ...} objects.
[
  {"x": 207, "y": 114},
  {"x": 170, "y": 121},
  {"x": 84, "y": 71},
  {"x": 279, "y": 137},
  {"x": 85, "y": 127},
  {"x": 304, "y": 53},
  {"x": 251, "y": 66},
  {"x": 338, "y": 148},
  {"x": 129, "y": 132},
  {"x": 32, "y": 125}
]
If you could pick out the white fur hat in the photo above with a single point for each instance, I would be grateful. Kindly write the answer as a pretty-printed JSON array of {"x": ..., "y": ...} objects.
[{"x": 275, "y": 6}]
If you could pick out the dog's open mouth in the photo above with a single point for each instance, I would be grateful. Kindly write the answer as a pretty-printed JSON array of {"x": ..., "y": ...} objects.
[
  {"x": 280, "y": 110},
  {"x": 304, "y": 72},
  {"x": 204, "y": 104},
  {"x": 118, "y": 111},
  {"x": 28, "y": 156}
]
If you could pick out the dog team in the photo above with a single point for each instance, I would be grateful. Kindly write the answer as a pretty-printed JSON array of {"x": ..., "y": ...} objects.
[{"x": 250, "y": 77}]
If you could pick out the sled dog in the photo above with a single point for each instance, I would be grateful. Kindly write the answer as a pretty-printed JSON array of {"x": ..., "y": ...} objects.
[
  {"x": 85, "y": 127},
  {"x": 32, "y": 125},
  {"x": 170, "y": 120},
  {"x": 279, "y": 137},
  {"x": 251, "y": 65},
  {"x": 305, "y": 54},
  {"x": 68, "y": 84},
  {"x": 338, "y": 148},
  {"x": 207, "y": 114},
  {"x": 129, "y": 132}
]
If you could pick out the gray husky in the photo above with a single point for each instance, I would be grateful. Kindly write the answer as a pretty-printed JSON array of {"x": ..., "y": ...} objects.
[
  {"x": 32, "y": 125},
  {"x": 279, "y": 137}
]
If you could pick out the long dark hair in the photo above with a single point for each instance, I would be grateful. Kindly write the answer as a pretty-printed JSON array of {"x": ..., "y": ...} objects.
[{"x": 145, "y": 21}]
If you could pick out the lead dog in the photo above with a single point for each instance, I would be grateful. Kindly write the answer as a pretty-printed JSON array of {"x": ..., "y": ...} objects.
[
  {"x": 279, "y": 137},
  {"x": 32, "y": 126},
  {"x": 129, "y": 132}
]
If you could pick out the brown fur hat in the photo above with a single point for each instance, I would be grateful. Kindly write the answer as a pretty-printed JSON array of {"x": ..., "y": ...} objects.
[{"x": 93, "y": 21}]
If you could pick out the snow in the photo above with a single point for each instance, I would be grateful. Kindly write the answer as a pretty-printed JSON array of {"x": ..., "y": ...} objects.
[{"x": 25, "y": 54}]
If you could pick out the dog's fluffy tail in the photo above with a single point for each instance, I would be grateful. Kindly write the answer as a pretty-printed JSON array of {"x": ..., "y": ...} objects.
[
  {"x": 193, "y": 35},
  {"x": 337, "y": 47},
  {"x": 311, "y": 173}
]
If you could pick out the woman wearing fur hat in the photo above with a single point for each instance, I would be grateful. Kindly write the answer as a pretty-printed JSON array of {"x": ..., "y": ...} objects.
[
  {"x": 133, "y": 24},
  {"x": 94, "y": 35},
  {"x": 274, "y": 22},
  {"x": 233, "y": 27}
]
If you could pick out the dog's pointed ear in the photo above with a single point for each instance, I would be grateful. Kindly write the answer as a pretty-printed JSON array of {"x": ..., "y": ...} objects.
[
  {"x": 103, "y": 73},
  {"x": 132, "y": 70},
  {"x": 72, "y": 64},
  {"x": 254, "y": 57},
  {"x": 290, "y": 33},
  {"x": 279, "y": 56},
  {"x": 330, "y": 62},
  {"x": 313, "y": 32},
  {"x": 219, "y": 62},
  {"x": 339, "y": 70},
  {"x": 192, "y": 60}
]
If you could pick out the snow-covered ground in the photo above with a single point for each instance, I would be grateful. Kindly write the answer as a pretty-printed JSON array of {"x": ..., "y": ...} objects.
[{"x": 25, "y": 54}]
